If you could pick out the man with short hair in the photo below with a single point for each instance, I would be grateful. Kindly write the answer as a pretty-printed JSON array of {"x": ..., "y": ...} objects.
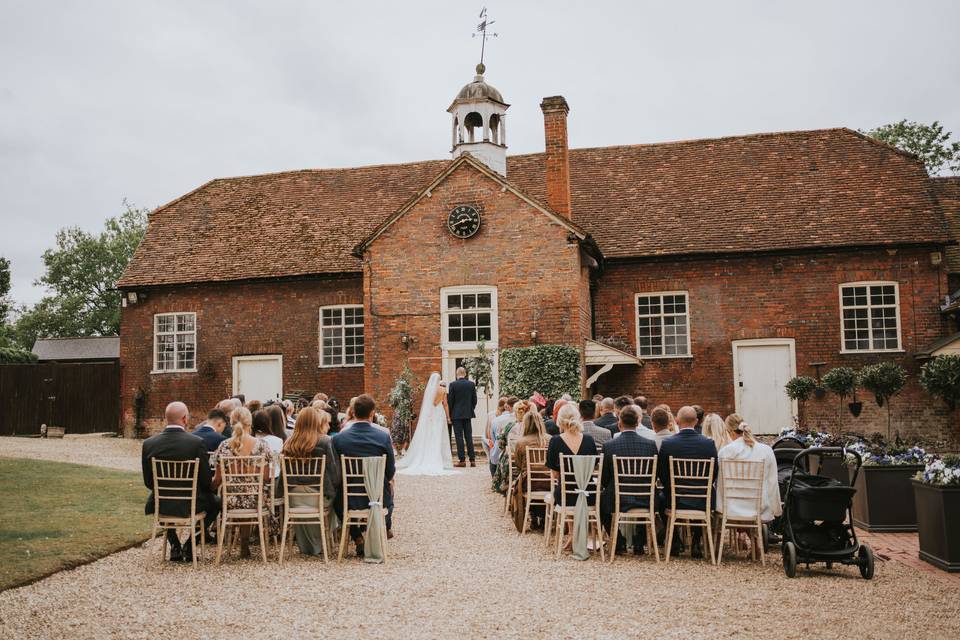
[
  {"x": 620, "y": 403},
  {"x": 660, "y": 420},
  {"x": 607, "y": 419},
  {"x": 211, "y": 431},
  {"x": 364, "y": 439},
  {"x": 496, "y": 428},
  {"x": 628, "y": 444},
  {"x": 462, "y": 400},
  {"x": 228, "y": 406},
  {"x": 641, "y": 401},
  {"x": 699, "y": 427},
  {"x": 174, "y": 443},
  {"x": 588, "y": 411},
  {"x": 687, "y": 444}
]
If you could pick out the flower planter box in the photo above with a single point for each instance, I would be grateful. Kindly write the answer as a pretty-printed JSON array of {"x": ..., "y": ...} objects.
[
  {"x": 938, "y": 524},
  {"x": 885, "y": 500}
]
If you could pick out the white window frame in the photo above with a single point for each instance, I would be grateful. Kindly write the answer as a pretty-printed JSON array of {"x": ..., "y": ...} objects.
[
  {"x": 896, "y": 302},
  {"x": 343, "y": 345},
  {"x": 196, "y": 344},
  {"x": 636, "y": 324},
  {"x": 445, "y": 342}
]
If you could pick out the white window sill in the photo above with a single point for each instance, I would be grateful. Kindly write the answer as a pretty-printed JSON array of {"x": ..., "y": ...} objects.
[
  {"x": 160, "y": 371},
  {"x": 869, "y": 351},
  {"x": 686, "y": 357},
  {"x": 339, "y": 366}
]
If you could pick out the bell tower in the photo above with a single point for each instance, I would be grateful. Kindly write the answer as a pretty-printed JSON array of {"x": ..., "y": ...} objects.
[{"x": 479, "y": 123}]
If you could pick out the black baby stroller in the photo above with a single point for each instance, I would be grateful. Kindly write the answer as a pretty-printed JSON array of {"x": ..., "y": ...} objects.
[
  {"x": 785, "y": 450},
  {"x": 817, "y": 519}
]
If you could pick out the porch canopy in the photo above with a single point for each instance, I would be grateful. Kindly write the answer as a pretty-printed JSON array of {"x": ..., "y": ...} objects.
[{"x": 603, "y": 355}]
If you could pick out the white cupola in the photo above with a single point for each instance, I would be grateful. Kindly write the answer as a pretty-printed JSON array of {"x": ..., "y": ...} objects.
[{"x": 479, "y": 123}]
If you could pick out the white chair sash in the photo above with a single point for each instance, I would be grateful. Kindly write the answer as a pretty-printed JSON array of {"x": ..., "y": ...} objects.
[
  {"x": 583, "y": 467},
  {"x": 373, "y": 471}
]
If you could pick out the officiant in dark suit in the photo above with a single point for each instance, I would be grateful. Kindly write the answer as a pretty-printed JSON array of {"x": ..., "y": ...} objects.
[
  {"x": 174, "y": 443},
  {"x": 462, "y": 400}
]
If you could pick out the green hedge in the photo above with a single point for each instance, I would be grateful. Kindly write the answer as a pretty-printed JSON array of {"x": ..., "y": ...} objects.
[
  {"x": 9, "y": 355},
  {"x": 551, "y": 369}
]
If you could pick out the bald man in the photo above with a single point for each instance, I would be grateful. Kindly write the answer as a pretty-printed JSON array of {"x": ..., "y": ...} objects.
[
  {"x": 174, "y": 443},
  {"x": 687, "y": 443}
]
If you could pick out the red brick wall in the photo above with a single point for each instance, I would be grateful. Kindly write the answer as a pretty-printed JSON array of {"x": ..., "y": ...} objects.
[
  {"x": 267, "y": 317},
  {"x": 518, "y": 249},
  {"x": 557, "y": 158},
  {"x": 793, "y": 296}
]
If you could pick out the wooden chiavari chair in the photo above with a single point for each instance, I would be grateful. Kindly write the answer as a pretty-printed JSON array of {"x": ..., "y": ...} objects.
[
  {"x": 175, "y": 481},
  {"x": 564, "y": 512},
  {"x": 690, "y": 479},
  {"x": 537, "y": 473},
  {"x": 309, "y": 473},
  {"x": 243, "y": 477},
  {"x": 742, "y": 485},
  {"x": 635, "y": 477},
  {"x": 354, "y": 487}
]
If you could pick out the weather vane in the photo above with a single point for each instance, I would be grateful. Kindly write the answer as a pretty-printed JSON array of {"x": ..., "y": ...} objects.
[{"x": 484, "y": 34}]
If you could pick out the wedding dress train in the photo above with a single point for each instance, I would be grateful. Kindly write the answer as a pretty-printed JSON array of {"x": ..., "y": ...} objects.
[{"x": 429, "y": 450}]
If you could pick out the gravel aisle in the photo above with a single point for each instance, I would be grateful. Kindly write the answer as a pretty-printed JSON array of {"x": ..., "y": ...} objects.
[{"x": 457, "y": 569}]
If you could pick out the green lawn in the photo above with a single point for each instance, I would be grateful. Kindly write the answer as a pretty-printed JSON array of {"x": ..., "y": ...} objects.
[{"x": 55, "y": 515}]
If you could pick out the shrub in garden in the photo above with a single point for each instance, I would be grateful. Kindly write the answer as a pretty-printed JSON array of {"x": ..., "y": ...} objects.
[
  {"x": 551, "y": 369},
  {"x": 842, "y": 382},
  {"x": 883, "y": 380},
  {"x": 940, "y": 378},
  {"x": 801, "y": 389}
]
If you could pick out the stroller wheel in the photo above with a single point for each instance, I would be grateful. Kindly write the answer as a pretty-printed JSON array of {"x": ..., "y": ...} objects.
[
  {"x": 866, "y": 561},
  {"x": 790, "y": 559}
]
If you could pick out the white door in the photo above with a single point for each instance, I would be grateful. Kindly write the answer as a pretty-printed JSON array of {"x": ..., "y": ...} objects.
[
  {"x": 451, "y": 361},
  {"x": 258, "y": 377},
  {"x": 761, "y": 368}
]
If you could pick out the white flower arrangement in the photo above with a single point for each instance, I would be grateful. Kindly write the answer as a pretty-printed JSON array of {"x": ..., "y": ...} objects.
[{"x": 944, "y": 472}]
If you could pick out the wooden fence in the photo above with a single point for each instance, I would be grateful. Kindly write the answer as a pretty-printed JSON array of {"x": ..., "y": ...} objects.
[{"x": 81, "y": 397}]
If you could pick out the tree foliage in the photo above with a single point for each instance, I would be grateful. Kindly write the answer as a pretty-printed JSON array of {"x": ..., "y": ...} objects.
[
  {"x": 940, "y": 377},
  {"x": 842, "y": 382},
  {"x": 6, "y": 304},
  {"x": 552, "y": 369},
  {"x": 480, "y": 368},
  {"x": 884, "y": 380},
  {"x": 81, "y": 272},
  {"x": 10, "y": 355},
  {"x": 401, "y": 397},
  {"x": 926, "y": 141}
]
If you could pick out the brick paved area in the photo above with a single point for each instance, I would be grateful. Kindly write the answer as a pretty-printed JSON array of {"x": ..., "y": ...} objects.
[{"x": 904, "y": 548}]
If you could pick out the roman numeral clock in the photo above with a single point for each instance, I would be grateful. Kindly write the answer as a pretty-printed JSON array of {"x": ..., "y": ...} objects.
[{"x": 463, "y": 221}]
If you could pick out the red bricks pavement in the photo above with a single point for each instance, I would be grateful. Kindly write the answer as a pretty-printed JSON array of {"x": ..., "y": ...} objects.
[{"x": 903, "y": 548}]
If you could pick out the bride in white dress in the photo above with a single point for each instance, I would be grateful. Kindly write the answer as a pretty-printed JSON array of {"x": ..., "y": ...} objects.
[{"x": 429, "y": 450}]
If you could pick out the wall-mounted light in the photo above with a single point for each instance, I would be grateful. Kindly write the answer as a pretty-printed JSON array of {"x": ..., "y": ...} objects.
[
  {"x": 132, "y": 297},
  {"x": 936, "y": 258},
  {"x": 533, "y": 335},
  {"x": 405, "y": 341}
]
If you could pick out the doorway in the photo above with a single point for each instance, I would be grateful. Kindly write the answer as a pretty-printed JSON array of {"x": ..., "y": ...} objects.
[
  {"x": 485, "y": 406},
  {"x": 258, "y": 377},
  {"x": 761, "y": 368}
]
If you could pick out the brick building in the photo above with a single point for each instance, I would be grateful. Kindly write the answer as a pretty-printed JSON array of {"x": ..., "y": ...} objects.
[{"x": 721, "y": 268}]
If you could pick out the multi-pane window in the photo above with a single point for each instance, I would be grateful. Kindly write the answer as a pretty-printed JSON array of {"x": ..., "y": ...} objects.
[
  {"x": 870, "y": 316},
  {"x": 663, "y": 325},
  {"x": 175, "y": 342},
  {"x": 341, "y": 336},
  {"x": 469, "y": 316}
]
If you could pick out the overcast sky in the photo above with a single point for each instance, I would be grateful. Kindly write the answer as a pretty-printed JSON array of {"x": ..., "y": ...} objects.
[{"x": 101, "y": 101}]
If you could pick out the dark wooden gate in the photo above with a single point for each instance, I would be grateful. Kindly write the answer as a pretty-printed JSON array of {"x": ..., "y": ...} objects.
[{"x": 81, "y": 397}]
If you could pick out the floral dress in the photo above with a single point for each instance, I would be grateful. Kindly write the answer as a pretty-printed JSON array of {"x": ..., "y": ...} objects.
[
  {"x": 501, "y": 478},
  {"x": 261, "y": 448}
]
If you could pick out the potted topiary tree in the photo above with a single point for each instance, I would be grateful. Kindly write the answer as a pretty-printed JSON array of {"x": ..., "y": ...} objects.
[
  {"x": 884, "y": 500},
  {"x": 801, "y": 389},
  {"x": 937, "y": 490},
  {"x": 401, "y": 400},
  {"x": 842, "y": 382},
  {"x": 940, "y": 377},
  {"x": 883, "y": 380}
]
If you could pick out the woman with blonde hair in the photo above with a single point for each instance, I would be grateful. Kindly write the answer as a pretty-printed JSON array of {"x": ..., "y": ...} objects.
[
  {"x": 715, "y": 429},
  {"x": 520, "y": 409},
  {"x": 743, "y": 446},
  {"x": 572, "y": 441},
  {"x": 534, "y": 435},
  {"x": 242, "y": 443},
  {"x": 310, "y": 440}
]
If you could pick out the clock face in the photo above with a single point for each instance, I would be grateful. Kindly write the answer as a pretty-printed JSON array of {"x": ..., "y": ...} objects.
[{"x": 463, "y": 221}]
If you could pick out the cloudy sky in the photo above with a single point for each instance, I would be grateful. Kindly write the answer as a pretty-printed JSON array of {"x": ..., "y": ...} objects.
[{"x": 101, "y": 101}]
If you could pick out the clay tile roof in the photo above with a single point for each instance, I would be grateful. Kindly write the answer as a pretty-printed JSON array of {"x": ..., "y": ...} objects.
[
  {"x": 947, "y": 191},
  {"x": 824, "y": 188},
  {"x": 93, "y": 348}
]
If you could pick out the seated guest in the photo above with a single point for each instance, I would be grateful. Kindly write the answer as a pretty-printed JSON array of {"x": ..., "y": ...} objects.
[
  {"x": 253, "y": 406},
  {"x": 641, "y": 401},
  {"x": 363, "y": 439},
  {"x": 227, "y": 406},
  {"x": 699, "y": 427},
  {"x": 290, "y": 417},
  {"x": 660, "y": 420},
  {"x": 548, "y": 422},
  {"x": 588, "y": 411},
  {"x": 336, "y": 417},
  {"x": 715, "y": 429},
  {"x": 743, "y": 446},
  {"x": 673, "y": 421},
  {"x": 211, "y": 431},
  {"x": 310, "y": 440},
  {"x": 349, "y": 417},
  {"x": 261, "y": 430},
  {"x": 687, "y": 444},
  {"x": 321, "y": 396},
  {"x": 572, "y": 441},
  {"x": 520, "y": 409},
  {"x": 629, "y": 444},
  {"x": 534, "y": 436},
  {"x": 278, "y": 421},
  {"x": 496, "y": 413},
  {"x": 620, "y": 403},
  {"x": 607, "y": 419},
  {"x": 501, "y": 422},
  {"x": 556, "y": 408},
  {"x": 174, "y": 443},
  {"x": 242, "y": 444}
]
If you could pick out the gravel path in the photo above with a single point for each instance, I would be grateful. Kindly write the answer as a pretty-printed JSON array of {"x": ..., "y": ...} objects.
[
  {"x": 115, "y": 453},
  {"x": 457, "y": 569}
]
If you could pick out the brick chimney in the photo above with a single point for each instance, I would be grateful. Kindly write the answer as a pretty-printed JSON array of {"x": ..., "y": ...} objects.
[{"x": 555, "y": 111}]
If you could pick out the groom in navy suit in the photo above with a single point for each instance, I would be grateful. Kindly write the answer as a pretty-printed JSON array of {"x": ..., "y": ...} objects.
[{"x": 462, "y": 400}]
